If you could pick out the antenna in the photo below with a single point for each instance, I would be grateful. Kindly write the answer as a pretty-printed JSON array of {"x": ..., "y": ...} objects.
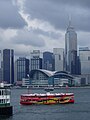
[{"x": 69, "y": 19}]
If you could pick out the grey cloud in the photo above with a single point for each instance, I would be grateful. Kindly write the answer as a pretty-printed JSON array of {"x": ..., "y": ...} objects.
[
  {"x": 50, "y": 34},
  {"x": 56, "y": 12},
  {"x": 9, "y": 16},
  {"x": 82, "y": 3},
  {"x": 84, "y": 39},
  {"x": 28, "y": 38}
]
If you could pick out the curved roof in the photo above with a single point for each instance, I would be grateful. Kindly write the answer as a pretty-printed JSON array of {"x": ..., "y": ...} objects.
[
  {"x": 51, "y": 73},
  {"x": 62, "y": 72},
  {"x": 62, "y": 75},
  {"x": 46, "y": 72}
]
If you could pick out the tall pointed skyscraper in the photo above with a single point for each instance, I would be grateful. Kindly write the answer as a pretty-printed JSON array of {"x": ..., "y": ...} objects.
[{"x": 71, "y": 50}]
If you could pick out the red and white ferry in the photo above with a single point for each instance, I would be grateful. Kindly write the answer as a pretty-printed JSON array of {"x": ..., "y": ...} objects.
[{"x": 47, "y": 98}]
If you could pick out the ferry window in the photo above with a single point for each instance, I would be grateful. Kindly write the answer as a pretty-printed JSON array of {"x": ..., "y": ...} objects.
[
  {"x": 6, "y": 92},
  {"x": 1, "y": 101},
  {"x": 4, "y": 101},
  {"x": 0, "y": 92},
  {"x": 7, "y": 101}
]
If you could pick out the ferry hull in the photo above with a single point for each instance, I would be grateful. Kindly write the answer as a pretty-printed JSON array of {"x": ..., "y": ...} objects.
[
  {"x": 47, "y": 103},
  {"x": 6, "y": 111},
  {"x": 47, "y": 100}
]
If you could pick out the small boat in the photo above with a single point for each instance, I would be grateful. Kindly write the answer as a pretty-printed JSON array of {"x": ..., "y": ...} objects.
[{"x": 47, "y": 98}]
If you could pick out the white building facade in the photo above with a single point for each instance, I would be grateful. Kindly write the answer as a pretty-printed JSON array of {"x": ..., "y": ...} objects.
[
  {"x": 35, "y": 60},
  {"x": 84, "y": 55},
  {"x": 59, "y": 59}
]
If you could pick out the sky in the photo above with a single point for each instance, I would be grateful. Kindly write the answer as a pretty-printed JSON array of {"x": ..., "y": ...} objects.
[{"x": 27, "y": 25}]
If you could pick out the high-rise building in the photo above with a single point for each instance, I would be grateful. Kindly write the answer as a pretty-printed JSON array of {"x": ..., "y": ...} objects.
[
  {"x": 84, "y": 55},
  {"x": 59, "y": 59},
  {"x": 0, "y": 58},
  {"x": 48, "y": 61},
  {"x": 8, "y": 66},
  {"x": 85, "y": 61},
  {"x": 22, "y": 69},
  {"x": 71, "y": 50},
  {"x": 1, "y": 68},
  {"x": 35, "y": 60}
]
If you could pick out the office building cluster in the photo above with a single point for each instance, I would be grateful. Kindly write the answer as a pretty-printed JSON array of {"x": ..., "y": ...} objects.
[{"x": 67, "y": 60}]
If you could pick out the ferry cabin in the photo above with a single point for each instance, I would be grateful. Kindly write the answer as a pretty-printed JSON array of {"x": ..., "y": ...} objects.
[{"x": 4, "y": 96}]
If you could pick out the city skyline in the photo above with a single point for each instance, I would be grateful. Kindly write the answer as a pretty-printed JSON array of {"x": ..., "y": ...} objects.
[{"x": 27, "y": 25}]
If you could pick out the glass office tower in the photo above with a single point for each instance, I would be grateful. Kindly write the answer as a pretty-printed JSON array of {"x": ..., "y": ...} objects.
[
  {"x": 8, "y": 66},
  {"x": 71, "y": 50},
  {"x": 48, "y": 61},
  {"x": 22, "y": 69}
]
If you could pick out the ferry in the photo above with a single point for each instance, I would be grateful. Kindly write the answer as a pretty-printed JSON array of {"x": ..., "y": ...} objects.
[
  {"x": 5, "y": 107},
  {"x": 47, "y": 98}
]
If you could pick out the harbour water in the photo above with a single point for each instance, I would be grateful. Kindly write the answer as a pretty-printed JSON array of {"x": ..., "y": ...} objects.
[{"x": 80, "y": 110}]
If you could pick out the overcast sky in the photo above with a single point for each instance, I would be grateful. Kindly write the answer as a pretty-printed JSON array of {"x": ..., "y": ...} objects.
[{"x": 26, "y": 25}]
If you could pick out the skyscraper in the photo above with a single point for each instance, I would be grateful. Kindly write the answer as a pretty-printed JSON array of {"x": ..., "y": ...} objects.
[
  {"x": 84, "y": 54},
  {"x": 1, "y": 68},
  {"x": 59, "y": 59},
  {"x": 36, "y": 60},
  {"x": 48, "y": 61},
  {"x": 0, "y": 58},
  {"x": 8, "y": 66},
  {"x": 22, "y": 69},
  {"x": 71, "y": 50}
]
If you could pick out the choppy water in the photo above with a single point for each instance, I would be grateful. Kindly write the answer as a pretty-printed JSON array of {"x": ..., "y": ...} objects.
[{"x": 80, "y": 110}]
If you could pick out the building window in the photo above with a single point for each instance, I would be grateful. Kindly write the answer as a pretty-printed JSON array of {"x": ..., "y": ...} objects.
[
  {"x": 59, "y": 57},
  {"x": 88, "y": 57}
]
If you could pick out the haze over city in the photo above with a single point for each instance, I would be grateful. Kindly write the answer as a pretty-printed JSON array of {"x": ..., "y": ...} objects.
[{"x": 41, "y": 24}]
